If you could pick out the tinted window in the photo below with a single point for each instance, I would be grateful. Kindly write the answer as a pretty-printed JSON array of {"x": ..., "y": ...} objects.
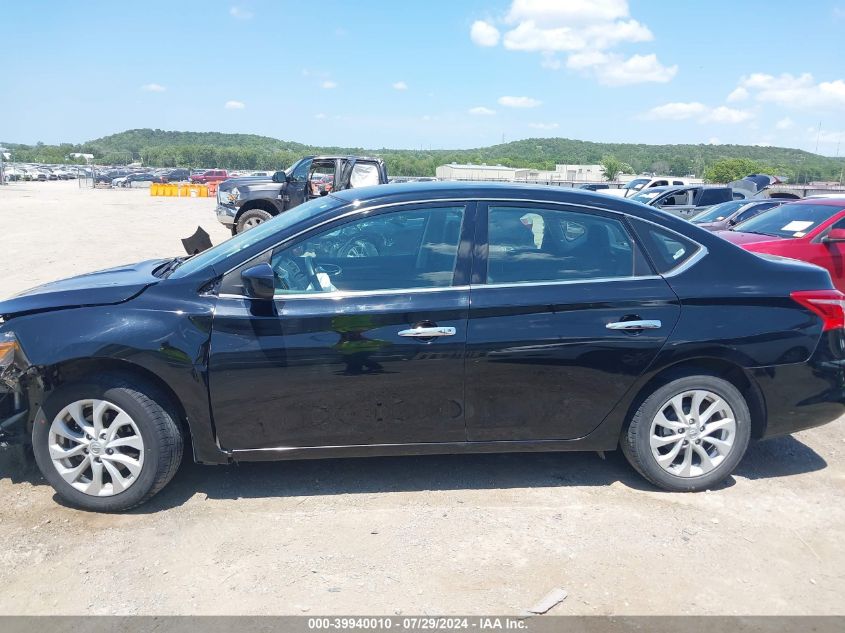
[
  {"x": 300, "y": 174},
  {"x": 391, "y": 251},
  {"x": 667, "y": 249},
  {"x": 538, "y": 244},
  {"x": 245, "y": 240},
  {"x": 754, "y": 211},
  {"x": 790, "y": 220},
  {"x": 718, "y": 213},
  {"x": 714, "y": 196}
]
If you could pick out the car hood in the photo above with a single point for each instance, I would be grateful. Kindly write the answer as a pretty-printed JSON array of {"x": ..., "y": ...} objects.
[
  {"x": 740, "y": 238},
  {"x": 104, "y": 287},
  {"x": 715, "y": 226}
]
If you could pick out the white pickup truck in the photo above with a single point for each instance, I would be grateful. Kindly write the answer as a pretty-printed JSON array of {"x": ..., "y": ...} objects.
[{"x": 645, "y": 182}]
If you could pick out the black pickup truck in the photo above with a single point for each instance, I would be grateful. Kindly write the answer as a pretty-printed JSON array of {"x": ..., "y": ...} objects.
[{"x": 245, "y": 203}]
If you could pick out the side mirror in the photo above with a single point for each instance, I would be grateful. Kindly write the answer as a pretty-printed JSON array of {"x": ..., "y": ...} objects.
[
  {"x": 279, "y": 176},
  {"x": 834, "y": 236},
  {"x": 259, "y": 282}
]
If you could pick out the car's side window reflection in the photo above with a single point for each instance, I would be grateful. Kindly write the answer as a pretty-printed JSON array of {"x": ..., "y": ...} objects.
[
  {"x": 391, "y": 251},
  {"x": 537, "y": 244}
]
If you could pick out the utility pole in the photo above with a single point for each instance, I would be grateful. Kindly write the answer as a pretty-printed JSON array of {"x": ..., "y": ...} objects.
[{"x": 818, "y": 136}]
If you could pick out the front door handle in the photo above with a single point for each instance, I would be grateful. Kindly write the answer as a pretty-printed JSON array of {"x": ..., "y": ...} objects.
[
  {"x": 428, "y": 332},
  {"x": 634, "y": 325}
]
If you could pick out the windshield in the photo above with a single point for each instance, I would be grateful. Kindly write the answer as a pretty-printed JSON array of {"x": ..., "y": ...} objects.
[
  {"x": 645, "y": 196},
  {"x": 636, "y": 183},
  {"x": 248, "y": 238},
  {"x": 718, "y": 212},
  {"x": 790, "y": 220}
]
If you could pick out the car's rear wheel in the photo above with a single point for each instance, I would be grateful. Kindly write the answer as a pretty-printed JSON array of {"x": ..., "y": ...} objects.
[
  {"x": 689, "y": 434},
  {"x": 252, "y": 218},
  {"x": 107, "y": 444}
]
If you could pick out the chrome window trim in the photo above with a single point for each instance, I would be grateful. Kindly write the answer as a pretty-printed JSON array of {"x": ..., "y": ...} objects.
[
  {"x": 691, "y": 261},
  {"x": 343, "y": 294},
  {"x": 567, "y": 282}
]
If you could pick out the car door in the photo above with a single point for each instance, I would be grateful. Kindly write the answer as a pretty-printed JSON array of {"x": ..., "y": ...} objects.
[
  {"x": 829, "y": 255},
  {"x": 680, "y": 202},
  {"x": 364, "y": 342},
  {"x": 565, "y": 315},
  {"x": 295, "y": 191}
]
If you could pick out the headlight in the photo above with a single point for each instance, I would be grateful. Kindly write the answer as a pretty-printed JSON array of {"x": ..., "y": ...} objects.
[{"x": 8, "y": 347}]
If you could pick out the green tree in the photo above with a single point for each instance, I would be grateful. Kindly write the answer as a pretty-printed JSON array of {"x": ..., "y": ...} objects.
[
  {"x": 728, "y": 169},
  {"x": 611, "y": 167}
]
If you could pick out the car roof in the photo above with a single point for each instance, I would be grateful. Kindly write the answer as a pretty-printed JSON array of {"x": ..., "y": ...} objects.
[
  {"x": 832, "y": 202},
  {"x": 444, "y": 191}
]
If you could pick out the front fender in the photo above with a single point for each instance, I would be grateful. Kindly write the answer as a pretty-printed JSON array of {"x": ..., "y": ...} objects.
[{"x": 165, "y": 331}]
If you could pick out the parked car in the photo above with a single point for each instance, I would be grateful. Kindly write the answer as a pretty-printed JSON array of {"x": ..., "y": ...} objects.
[
  {"x": 175, "y": 175},
  {"x": 250, "y": 203},
  {"x": 808, "y": 230},
  {"x": 685, "y": 202},
  {"x": 594, "y": 186},
  {"x": 126, "y": 181},
  {"x": 212, "y": 175},
  {"x": 643, "y": 183},
  {"x": 728, "y": 214},
  {"x": 616, "y": 325}
]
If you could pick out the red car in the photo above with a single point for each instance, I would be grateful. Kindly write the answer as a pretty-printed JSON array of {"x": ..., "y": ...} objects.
[
  {"x": 812, "y": 230},
  {"x": 212, "y": 175}
]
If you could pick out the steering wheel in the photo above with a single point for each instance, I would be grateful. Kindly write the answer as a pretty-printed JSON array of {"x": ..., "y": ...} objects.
[{"x": 311, "y": 273}]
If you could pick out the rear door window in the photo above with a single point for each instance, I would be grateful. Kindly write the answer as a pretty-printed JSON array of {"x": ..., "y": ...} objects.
[{"x": 537, "y": 244}]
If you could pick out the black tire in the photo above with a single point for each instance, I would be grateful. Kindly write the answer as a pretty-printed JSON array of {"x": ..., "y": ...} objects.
[
  {"x": 635, "y": 440},
  {"x": 256, "y": 216},
  {"x": 162, "y": 439}
]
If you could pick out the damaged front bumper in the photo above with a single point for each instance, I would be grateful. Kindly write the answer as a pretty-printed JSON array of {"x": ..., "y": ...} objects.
[{"x": 14, "y": 411}]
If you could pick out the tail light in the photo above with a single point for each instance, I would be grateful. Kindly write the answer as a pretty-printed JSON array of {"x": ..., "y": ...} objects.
[{"x": 828, "y": 304}]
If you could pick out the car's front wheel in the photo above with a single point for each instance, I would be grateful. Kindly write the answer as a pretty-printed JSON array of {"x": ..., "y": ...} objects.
[
  {"x": 252, "y": 218},
  {"x": 689, "y": 434},
  {"x": 107, "y": 444}
]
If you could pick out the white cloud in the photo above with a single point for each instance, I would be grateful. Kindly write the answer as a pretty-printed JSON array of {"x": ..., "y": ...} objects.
[
  {"x": 724, "y": 114},
  {"x": 784, "y": 124},
  {"x": 677, "y": 111},
  {"x": 800, "y": 92},
  {"x": 400, "y": 85},
  {"x": 586, "y": 31},
  {"x": 738, "y": 94},
  {"x": 544, "y": 126},
  {"x": 637, "y": 69},
  {"x": 713, "y": 140},
  {"x": 234, "y": 105},
  {"x": 680, "y": 111},
  {"x": 239, "y": 13},
  {"x": 519, "y": 102},
  {"x": 329, "y": 85},
  {"x": 483, "y": 33},
  {"x": 320, "y": 115},
  {"x": 481, "y": 111},
  {"x": 153, "y": 88}
]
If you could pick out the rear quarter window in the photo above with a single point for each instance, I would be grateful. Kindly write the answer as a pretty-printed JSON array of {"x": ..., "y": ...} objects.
[{"x": 668, "y": 250}]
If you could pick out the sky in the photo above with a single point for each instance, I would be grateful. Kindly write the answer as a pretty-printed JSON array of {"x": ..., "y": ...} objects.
[{"x": 429, "y": 73}]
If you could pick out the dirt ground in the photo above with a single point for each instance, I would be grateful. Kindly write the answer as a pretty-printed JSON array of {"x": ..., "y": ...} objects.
[{"x": 419, "y": 535}]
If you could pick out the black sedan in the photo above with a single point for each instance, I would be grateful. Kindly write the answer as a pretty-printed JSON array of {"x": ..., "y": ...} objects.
[{"x": 480, "y": 318}]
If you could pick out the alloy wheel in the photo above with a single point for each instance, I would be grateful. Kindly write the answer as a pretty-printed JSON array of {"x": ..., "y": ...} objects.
[
  {"x": 692, "y": 433},
  {"x": 96, "y": 447}
]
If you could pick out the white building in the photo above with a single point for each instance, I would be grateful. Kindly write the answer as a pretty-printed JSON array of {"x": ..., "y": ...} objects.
[
  {"x": 580, "y": 173},
  {"x": 454, "y": 171},
  {"x": 562, "y": 173}
]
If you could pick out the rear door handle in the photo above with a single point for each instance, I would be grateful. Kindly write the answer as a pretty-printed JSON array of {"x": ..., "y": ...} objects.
[
  {"x": 634, "y": 325},
  {"x": 428, "y": 332}
]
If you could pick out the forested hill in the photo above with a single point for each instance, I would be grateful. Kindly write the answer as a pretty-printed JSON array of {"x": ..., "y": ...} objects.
[{"x": 250, "y": 151}]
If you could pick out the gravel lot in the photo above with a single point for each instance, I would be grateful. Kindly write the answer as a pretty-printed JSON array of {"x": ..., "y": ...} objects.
[{"x": 453, "y": 535}]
